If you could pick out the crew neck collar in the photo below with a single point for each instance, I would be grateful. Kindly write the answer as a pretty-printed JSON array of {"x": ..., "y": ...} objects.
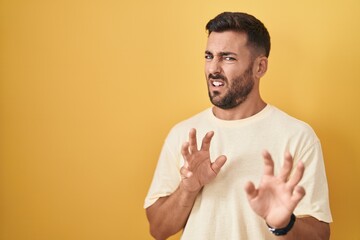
[{"x": 263, "y": 113}]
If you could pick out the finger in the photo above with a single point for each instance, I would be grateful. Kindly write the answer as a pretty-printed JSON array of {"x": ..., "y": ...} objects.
[
  {"x": 192, "y": 140},
  {"x": 205, "y": 146},
  {"x": 185, "y": 153},
  {"x": 269, "y": 164},
  {"x": 185, "y": 173},
  {"x": 286, "y": 169},
  {"x": 295, "y": 179},
  {"x": 298, "y": 194},
  {"x": 219, "y": 162},
  {"x": 250, "y": 190}
]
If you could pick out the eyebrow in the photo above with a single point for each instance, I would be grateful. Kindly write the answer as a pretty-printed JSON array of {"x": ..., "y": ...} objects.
[{"x": 221, "y": 53}]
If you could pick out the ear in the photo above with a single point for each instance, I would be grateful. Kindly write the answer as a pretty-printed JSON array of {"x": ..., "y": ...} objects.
[{"x": 260, "y": 66}]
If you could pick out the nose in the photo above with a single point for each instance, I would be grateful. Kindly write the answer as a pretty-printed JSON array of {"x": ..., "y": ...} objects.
[{"x": 213, "y": 66}]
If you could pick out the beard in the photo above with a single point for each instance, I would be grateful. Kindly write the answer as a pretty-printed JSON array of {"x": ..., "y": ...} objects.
[{"x": 236, "y": 93}]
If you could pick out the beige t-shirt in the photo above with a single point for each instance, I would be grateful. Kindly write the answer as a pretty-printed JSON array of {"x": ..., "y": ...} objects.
[{"x": 221, "y": 210}]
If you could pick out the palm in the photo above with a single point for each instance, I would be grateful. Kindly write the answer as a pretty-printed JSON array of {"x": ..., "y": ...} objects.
[
  {"x": 198, "y": 169},
  {"x": 277, "y": 196}
]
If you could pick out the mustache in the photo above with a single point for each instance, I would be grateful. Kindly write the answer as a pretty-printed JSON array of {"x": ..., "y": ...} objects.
[{"x": 217, "y": 76}]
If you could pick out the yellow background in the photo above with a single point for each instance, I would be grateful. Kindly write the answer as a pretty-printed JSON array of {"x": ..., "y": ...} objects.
[{"x": 89, "y": 90}]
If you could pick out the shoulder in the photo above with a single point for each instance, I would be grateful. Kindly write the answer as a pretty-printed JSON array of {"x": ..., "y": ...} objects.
[
  {"x": 179, "y": 132},
  {"x": 199, "y": 119},
  {"x": 287, "y": 120},
  {"x": 292, "y": 125}
]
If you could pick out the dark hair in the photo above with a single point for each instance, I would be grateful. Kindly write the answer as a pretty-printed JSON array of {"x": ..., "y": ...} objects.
[{"x": 257, "y": 35}]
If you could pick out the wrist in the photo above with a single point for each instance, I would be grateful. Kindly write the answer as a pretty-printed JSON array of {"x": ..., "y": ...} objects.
[
  {"x": 190, "y": 188},
  {"x": 188, "y": 191},
  {"x": 284, "y": 230}
]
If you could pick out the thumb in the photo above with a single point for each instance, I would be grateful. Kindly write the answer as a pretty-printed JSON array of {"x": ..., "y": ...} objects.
[
  {"x": 250, "y": 190},
  {"x": 219, "y": 162},
  {"x": 298, "y": 194}
]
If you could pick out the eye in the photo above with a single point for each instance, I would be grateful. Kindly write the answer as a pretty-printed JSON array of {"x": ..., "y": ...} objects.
[
  {"x": 229, "y": 59},
  {"x": 208, "y": 57}
]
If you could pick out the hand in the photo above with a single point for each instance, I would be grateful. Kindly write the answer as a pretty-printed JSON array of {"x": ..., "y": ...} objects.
[
  {"x": 198, "y": 169},
  {"x": 277, "y": 196}
]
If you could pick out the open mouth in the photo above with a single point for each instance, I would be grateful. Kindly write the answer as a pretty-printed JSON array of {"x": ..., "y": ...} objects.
[{"x": 217, "y": 83}]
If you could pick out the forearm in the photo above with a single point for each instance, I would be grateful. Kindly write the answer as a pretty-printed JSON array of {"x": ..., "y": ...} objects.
[
  {"x": 308, "y": 228},
  {"x": 168, "y": 215}
]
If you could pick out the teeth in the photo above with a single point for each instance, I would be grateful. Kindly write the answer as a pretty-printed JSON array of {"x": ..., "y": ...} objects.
[{"x": 217, "y": 84}]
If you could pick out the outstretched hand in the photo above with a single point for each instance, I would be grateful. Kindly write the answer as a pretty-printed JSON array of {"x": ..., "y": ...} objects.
[
  {"x": 277, "y": 196},
  {"x": 198, "y": 169}
]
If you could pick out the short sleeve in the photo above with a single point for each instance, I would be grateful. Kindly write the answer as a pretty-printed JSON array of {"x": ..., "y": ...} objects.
[
  {"x": 316, "y": 200},
  {"x": 167, "y": 177}
]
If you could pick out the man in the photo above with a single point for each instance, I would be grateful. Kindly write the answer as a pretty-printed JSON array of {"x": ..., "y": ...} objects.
[{"x": 209, "y": 191}]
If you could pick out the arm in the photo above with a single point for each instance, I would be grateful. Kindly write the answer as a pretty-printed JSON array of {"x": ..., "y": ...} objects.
[
  {"x": 308, "y": 228},
  {"x": 168, "y": 215},
  {"x": 277, "y": 196}
]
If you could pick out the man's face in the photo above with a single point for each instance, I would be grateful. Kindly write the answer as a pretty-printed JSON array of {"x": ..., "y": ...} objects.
[{"x": 228, "y": 69}]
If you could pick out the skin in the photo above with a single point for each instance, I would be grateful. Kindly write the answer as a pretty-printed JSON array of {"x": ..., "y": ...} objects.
[
  {"x": 276, "y": 197},
  {"x": 237, "y": 60}
]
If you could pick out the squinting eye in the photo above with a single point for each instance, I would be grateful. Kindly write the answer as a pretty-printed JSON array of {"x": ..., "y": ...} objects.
[
  {"x": 229, "y": 58},
  {"x": 208, "y": 57}
]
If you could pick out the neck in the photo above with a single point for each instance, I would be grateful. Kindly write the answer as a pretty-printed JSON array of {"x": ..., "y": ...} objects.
[{"x": 246, "y": 109}]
